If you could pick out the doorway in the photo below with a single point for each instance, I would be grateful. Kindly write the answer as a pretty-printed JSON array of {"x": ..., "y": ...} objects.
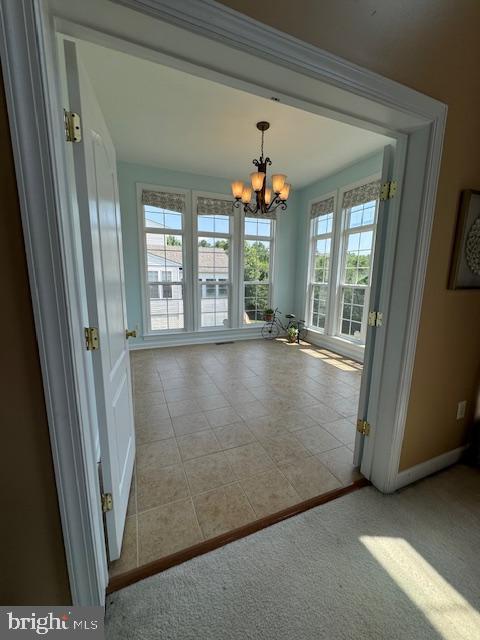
[
  {"x": 233, "y": 424},
  {"x": 423, "y": 125}
]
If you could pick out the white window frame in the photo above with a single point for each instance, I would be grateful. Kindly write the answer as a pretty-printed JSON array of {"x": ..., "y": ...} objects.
[
  {"x": 340, "y": 232},
  {"x": 346, "y": 232},
  {"x": 271, "y": 270},
  {"x": 232, "y": 282},
  {"x": 185, "y": 232},
  {"x": 312, "y": 238}
]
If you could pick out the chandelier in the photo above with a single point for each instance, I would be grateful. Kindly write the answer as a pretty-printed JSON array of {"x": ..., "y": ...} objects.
[{"x": 266, "y": 199}]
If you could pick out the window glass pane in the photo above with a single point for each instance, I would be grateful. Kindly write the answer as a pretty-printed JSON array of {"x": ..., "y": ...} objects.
[
  {"x": 214, "y": 305},
  {"x": 166, "y": 307},
  {"x": 165, "y": 255},
  {"x": 362, "y": 214},
  {"x": 319, "y": 305},
  {"x": 258, "y": 227},
  {"x": 324, "y": 224},
  {"x": 157, "y": 218},
  {"x": 216, "y": 224},
  {"x": 164, "y": 266},
  {"x": 256, "y": 301},
  {"x": 213, "y": 261},
  {"x": 256, "y": 256},
  {"x": 358, "y": 258},
  {"x": 352, "y": 310}
]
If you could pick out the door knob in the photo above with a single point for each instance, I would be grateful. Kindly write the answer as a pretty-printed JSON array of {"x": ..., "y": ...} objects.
[{"x": 130, "y": 334}]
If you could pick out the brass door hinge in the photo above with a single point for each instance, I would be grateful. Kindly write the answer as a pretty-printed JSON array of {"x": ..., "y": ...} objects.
[
  {"x": 375, "y": 319},
  {"x": 130, "y": 334},
  {"x": 91, "y": 338},
  {"x": 363, "y": 427},
  {"x": 107, "y": 502},
  {"x": 73, "y": 130},
  {"x": 388, "y": 190}
]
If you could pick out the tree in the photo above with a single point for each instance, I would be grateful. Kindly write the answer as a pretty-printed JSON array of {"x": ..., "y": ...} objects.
[
  {"x": 256, "y": 269},
  {"x": 173, "y": 241}
]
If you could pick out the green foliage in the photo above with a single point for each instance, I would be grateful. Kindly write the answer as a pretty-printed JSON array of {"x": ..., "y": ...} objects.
[
  {"x": 173, "y": 241},
  {"x": 357, "y": 268},
  {"x": 256, "y": 269}
]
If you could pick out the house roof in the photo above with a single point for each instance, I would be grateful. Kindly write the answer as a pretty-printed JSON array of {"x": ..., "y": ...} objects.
[{"x": 209, "y": 258}]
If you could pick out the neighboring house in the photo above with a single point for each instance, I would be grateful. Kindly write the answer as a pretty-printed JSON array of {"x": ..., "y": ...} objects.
[{"x": 165, "y": 277}]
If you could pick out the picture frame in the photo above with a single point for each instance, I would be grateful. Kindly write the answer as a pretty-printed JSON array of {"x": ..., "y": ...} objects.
[{"x": 465, "y": 266}]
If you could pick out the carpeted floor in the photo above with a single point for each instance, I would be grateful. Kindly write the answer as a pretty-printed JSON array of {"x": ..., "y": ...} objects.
[{"x": 363, "y": 567}]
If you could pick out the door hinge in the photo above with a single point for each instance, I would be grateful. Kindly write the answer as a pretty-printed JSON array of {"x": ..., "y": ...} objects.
[
  {"x": 73, "y": 131},
  {"x": 375, "y": 319},
  {"x": 363, "y": 427},
  {"x": 107, "y": 502},
  {"x": 388, "y": 190},
  {"x": 91, "y": 338}
]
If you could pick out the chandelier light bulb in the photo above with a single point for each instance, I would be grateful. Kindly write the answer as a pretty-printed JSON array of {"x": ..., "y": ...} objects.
[
  {"x": 285, "y": 192},
  {"x": 246, "y": 195},
  {"x": 268, "y": 196},
  {"x": 257, "y": 178},
  {"x": 278, "y": 180},
  {"x": 237, "y": 188}
]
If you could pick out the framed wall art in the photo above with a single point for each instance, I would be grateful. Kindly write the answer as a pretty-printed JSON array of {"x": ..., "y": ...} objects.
[{"x": 465, "y": 268}]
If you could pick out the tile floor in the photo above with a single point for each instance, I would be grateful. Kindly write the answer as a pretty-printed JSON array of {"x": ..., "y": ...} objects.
[{"x": 227, "y": 434}]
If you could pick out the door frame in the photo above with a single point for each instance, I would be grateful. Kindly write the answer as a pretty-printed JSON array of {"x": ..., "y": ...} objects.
[{"x": 27, "y": 31}]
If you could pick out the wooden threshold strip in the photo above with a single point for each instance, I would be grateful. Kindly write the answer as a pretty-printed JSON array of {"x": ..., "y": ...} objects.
[{"x": 157, "y": 566}]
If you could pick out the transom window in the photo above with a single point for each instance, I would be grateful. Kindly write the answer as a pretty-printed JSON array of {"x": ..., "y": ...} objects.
[
  {"x": 257, "y": 252},
  {"x": 342, "y": 237}
]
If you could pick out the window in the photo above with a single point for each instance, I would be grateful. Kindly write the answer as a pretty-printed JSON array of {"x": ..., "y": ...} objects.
[
  {"x": 257, "y": 252},
  {"x": 214, "y": 243},
  {"x": 163, "y": 221},
  {"x": 322, "y": 214},
  {"x": 195, "y": 252},
  {"x": 357, "y": 258},
  {"x": 341, "y": 259}
]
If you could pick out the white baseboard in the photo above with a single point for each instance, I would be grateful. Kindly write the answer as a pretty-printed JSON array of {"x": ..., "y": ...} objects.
[
  {"x": 425, "y": 469},
  {"x": 178, "y": 340},
  {"x": 338, "y": 345}
]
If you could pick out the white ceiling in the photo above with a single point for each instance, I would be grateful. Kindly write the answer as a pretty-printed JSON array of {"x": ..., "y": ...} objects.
[{"x": 167, "y": 118}]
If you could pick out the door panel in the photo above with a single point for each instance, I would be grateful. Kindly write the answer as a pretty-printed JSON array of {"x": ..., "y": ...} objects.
[
  {"x": 371, "y": 335},
  {"x": 99, "y": 213}
]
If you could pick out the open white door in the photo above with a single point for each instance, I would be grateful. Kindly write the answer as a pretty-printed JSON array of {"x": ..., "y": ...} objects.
[
  {"x": 101, "y": 241},
  {"x": 373, "y": 307}
]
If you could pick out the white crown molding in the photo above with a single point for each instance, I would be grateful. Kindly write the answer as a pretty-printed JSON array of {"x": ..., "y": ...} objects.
[{"x": 215, "y": 20}]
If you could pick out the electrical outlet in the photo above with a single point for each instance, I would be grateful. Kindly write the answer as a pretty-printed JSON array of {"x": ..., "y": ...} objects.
[{"x": 461, "y": 408}]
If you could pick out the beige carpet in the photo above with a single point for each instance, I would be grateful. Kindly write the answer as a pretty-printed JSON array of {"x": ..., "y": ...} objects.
[{"x": 363, "y": 567}]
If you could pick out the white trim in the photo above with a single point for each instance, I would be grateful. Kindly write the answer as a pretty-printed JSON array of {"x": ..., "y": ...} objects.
[
  {"x": 348, "y": 92},
  {"x": 142, "y": 247},
  {"x": 41, "y": 179},
  {"x": 338, "y": 345},
  {"x": 199, "y": 337},
  {"x": 428, "y": 467}
]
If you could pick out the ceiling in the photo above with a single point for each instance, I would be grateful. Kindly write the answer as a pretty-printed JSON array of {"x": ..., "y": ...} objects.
[{"x": 167, "y": 118}]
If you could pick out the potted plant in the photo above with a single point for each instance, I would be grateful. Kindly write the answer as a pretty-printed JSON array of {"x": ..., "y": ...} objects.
[
  {"x": 268, "y": 315},
  {"x": 292, "y": 334}
]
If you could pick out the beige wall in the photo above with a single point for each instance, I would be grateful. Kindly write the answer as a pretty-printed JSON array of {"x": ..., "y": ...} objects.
[
  {"x": 434, "y": 47},
  {"x": 32, "y": 567},
  {"x": 431, "y": 45}
]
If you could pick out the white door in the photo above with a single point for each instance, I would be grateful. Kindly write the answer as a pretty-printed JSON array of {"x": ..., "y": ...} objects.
[
  {"x": 372, "y": 337},
  {"x": 101, "y": 240}
]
